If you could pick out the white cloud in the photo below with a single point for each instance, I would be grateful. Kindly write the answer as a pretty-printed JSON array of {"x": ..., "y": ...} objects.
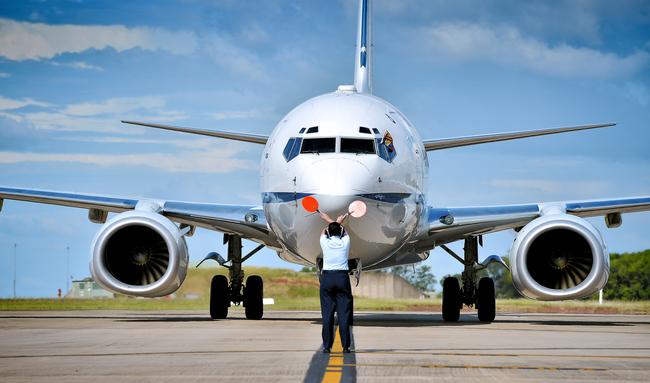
[
  {"x": 77, "y": 65},
  {"x": 548, "y": 186},
  {"x": 239, "y": 114},
  {"x": 10, "y": 104},
  {"x": 507, "y": 46},
  {"x": 233, "y": 58},
  {"x": 201, "y": 143},
  {"x": 35, "y": 41},
  {"x": 64, "y": 122},
  {"x": 119, "y": 105},
  {"x": 208, "y": 161},
  {"x": 4, "y": 75}
]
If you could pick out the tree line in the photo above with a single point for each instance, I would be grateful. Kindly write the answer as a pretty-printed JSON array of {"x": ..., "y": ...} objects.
[{"x": 629, "y": 277}]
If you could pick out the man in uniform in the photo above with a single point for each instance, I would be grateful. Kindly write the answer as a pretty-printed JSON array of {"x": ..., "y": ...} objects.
[{"x": 335, "y": 289}]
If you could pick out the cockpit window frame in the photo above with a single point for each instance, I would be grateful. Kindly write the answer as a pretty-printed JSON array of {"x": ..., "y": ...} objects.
[
  {"x": 334, "y": 148},
  {"x": 357, "y": 138}
]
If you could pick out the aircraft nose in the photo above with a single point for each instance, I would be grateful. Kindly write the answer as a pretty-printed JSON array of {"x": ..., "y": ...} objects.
[{"x": 336, "y": 177}]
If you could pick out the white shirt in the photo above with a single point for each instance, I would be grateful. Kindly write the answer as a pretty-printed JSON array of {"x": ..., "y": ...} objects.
[{"x": 335, "y": 252}]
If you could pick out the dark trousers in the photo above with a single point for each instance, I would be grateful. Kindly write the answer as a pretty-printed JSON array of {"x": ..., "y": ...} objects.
[{"x": 336, "y": 295}]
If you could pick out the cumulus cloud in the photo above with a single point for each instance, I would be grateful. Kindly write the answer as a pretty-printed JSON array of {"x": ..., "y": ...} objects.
[
  {"x": 77, "y": 65},
  {"x": 36, "y": 41},
  {"x": 507, "y": 46},
  {"x": 239, "y": 114},
  {"x": 547, "y": 186},
  {"x": 118, "y": 105},
  {"x": 233, "y": 58},
  {"x": 11, "y": 104},
  {"x": 209, "y": 161}
]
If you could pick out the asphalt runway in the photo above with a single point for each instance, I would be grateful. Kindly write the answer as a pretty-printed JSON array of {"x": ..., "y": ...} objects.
[{"x": 116, "y": 346}]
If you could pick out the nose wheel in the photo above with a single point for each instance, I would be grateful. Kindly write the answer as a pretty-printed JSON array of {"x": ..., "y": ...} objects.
[{"x": 225, "y": 291}]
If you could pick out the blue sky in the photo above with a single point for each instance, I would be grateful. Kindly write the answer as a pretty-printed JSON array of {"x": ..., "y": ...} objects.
[{"x": 69, "y": 71}]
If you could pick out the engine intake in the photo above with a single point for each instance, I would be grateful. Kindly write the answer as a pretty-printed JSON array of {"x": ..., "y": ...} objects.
[
  {"x": 139, "y": 253},
  {"x": 558, "y": 257}
]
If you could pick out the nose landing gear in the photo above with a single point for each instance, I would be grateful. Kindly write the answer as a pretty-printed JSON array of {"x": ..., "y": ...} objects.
[
  {"x": 481, "y": 295},
  {"x": 222, "y": 293}
]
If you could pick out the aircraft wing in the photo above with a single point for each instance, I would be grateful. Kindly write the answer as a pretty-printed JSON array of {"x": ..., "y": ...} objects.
[
  {"x": 246, "y": 221},
  {"x": 245, "y": 137},
  {"x": 446, "y": 143},
  {"x": 450, "y": 224}
]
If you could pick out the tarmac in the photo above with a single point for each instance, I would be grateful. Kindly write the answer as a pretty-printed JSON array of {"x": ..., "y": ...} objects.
[{"x": 119, "y": 346}]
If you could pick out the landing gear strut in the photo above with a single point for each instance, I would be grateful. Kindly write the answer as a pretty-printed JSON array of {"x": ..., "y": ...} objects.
[
  {"x": 223, "y": 293},
  {"x": 480, "y": 295}
]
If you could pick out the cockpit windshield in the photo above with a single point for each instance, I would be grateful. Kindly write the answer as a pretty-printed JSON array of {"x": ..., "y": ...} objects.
[
  {"x": 318, "y": 145},
  {"x": 357, "y": 145}
]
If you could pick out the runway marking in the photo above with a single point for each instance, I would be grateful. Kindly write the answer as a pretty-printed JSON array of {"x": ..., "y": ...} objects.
[
  {"x": 334, "y": 369},
  {"x": 540, "y": 368}
]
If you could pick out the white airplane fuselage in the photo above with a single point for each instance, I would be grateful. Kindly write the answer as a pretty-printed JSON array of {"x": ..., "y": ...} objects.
[{"x": 391, "y": 181}]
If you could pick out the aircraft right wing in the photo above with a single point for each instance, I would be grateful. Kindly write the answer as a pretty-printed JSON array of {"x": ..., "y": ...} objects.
[{"x": 246, "y": 137}]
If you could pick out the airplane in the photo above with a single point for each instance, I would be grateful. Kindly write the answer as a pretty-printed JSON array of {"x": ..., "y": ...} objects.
[{"x": 347, "y": 146}]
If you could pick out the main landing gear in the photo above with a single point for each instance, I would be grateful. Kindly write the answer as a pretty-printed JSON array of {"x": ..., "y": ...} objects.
[
  {"x": 480, "y": 295},
  {"x": 223, "y": 293}
]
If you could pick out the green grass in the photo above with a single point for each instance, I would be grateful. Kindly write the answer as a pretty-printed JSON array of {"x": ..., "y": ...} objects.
[{"x": 293, "y": 290}]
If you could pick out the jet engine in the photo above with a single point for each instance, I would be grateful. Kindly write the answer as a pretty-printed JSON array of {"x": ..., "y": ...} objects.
[
  {"x": 557, "y": 257},
  {"x": 139, "y": 253}
]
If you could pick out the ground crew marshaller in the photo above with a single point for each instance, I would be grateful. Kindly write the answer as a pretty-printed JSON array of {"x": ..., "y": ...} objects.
[{"x": 335, "y": 289}]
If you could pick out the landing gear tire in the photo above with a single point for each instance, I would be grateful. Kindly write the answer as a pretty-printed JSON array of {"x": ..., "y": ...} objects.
[
  {"x": 485, "y": 300},
  {"x": 451, "y": 300},
  {"x": 219, "y": 297},
  {"x": 253, "y": 295}
]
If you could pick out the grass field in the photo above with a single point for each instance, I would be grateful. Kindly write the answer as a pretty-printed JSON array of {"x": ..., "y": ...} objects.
[{"x": 299, "y": 291}]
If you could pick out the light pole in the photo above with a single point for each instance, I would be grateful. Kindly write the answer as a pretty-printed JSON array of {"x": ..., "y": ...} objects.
[
  {"x": 67, "y": 269},
  {"x": 15, "y": 246}
]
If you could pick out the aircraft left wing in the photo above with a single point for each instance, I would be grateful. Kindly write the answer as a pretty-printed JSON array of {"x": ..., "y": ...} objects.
[
  {"x": 450, "y": 224},
  {"x": 246, "y": 221}
]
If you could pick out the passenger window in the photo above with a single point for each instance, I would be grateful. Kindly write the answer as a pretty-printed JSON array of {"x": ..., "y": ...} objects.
[
  {"x": 292, "y": 149},
  {"x": 357, "y": 145},
  {"x": 318, "y": 145}
]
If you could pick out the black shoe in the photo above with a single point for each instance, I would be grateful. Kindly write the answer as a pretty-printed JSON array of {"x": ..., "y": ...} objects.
[
  {"x": 346, "y": 350},
  {"x": 326, "y": 350}
]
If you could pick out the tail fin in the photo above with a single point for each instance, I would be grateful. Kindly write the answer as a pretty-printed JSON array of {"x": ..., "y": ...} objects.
[{"x": 363, "y": 59}]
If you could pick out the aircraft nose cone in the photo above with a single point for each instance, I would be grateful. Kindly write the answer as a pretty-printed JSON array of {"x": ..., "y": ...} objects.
[{"x": 336, "y": 177}]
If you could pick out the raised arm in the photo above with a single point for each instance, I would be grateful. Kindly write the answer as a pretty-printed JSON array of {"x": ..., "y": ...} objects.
[{"x": 326, "y": 217}]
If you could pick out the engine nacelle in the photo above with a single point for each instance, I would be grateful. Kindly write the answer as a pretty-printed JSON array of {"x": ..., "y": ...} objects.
[
  {"x": 139, "y": 253},
  {"x": 557, "y": 257}
]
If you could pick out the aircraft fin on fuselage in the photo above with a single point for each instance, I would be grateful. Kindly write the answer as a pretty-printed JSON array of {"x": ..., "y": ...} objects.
[
  {"x": 446, "y": 143},
  {"x": 363, "y": 56},
  {"x": 246, "y": 137}
]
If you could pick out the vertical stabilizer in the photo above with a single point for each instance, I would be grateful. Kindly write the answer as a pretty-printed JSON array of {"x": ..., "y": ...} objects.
[{"x": 363, "y": 59}]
